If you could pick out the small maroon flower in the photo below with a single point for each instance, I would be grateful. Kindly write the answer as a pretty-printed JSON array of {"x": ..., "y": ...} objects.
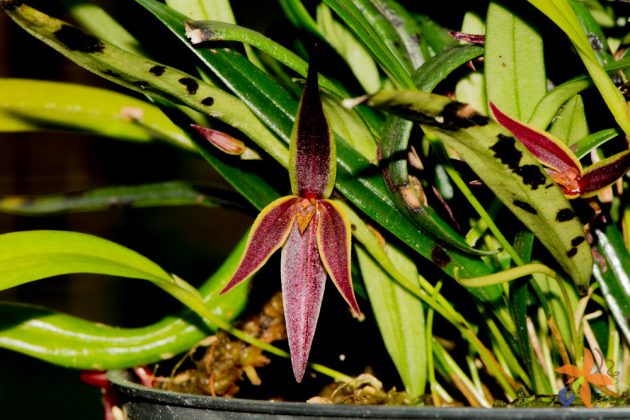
[
  {"x": 312, "y": 230},
  {"x": 562, "y": 164}
]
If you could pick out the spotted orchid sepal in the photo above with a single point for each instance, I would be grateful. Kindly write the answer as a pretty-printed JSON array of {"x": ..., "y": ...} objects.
[
  {"x": 313, "y": 231},
  {"x": 563, "y": 166}
]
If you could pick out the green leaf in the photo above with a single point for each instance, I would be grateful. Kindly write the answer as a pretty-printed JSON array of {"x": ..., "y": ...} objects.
[
  {"x": 98, "y": 22},
  {"x": 562, "y": 14},
  {"x": 203, "y": 31},
  {"x": 611, "y": 272},
  {"x": 72, "y": 342},
  {"x": 299, "y": 16},
  {"x": 218, "y": 10},
  {"x": 395, "y": 143},
  {"x": 596, "y": 36},
  {"x": 33, "y": 255},
  {"x": 400, "y": 317},
  {"x": 570, "y": 125},
  {"x": 356, "y": 178},
  {"x": 174, "y": 193},
  {"x": 377, "y": 35},
  {"x": 347, "y": 124},
  {"x": 27, "y": 105},
  {"x": 514, "y": 63},
  {"x": 507, "y": 168},
  {"x": 351, "y": 50},
  {"x": 584, "y": 145},
  {"x": 144, "y": 75},
  {"x": 549, "y": 106}
]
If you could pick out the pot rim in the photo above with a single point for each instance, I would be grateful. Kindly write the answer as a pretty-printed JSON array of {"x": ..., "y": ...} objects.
[{"x": 128, "y": 391}]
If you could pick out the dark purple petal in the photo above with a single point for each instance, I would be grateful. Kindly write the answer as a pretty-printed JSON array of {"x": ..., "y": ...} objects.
[
  {"x": 603, "y": 173},
  {"x": 543, "y": 146},
  {"x": 269, "y": 232},
  {"x": 333, "y": 241},
  {"x": 303, "y": 280},
  {"x": 312, "y": 162}
]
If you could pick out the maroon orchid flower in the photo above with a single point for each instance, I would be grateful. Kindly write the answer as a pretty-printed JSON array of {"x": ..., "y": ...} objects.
[
  {"x": 313, "y": 231},
  {"x": 562, "y": 164}
]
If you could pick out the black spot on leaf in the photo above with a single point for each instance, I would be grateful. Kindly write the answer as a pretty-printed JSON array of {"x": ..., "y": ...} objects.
[
  {"x": 572, "y": 252},
  {"x": 459, "y": 115},
  {"x": 565, "y": 215},
  {"x": 191, "y": 84},
  {"x": 532, "y": 175},
  {"x": 506, "y": 152},
  {"x": 157, "y": 70},
  {"x": 111, "y": 73},
  {"x": 525, "y": 206},
  {"x": 577, "y": 240},
  {"x": 440, "y": 257},
  {"x": 207, "y": 101},
  {"x": 76, "y": 40}
]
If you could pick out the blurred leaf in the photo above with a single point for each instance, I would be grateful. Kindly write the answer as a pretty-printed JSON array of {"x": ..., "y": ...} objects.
[
  {"x": 27, "y": 105},
  {"x": 593, "y": 31},
  {"x": 570, "y": 124},
  {"x": 562, "y": 14},
  {"x": 350, "y": 127},
  {"x": 514, "y": 64},
  {"x": 349, "y": 48},
  {"x": 69, "y": 341},
  {"x": 174, "y": 193},
  {"x": 436, "y": 35},
  {"x": 611, "y": 272},
  {"x": 377, "y": 35},
  {"x": 98, "y": 22},
  {"x": 400, "y": 317},
  {"x": 299, "y": 16},
  {"x": 33, "y": 255},
  {"x": 145, "y": 76},
  {"x": 219, "y": 10}
]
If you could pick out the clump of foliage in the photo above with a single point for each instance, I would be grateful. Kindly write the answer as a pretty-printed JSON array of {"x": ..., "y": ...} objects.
[{"x": 482, "y": 180}]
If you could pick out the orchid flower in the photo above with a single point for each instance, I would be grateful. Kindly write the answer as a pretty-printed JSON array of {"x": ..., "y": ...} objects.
[
  {"x": 597, "y": 379},
  {"x": 562, "y": 164},
  {"x": 312, "y": 230}
]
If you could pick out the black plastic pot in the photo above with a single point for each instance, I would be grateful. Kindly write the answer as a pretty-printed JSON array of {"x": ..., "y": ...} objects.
[{"x": 140, "y": 402}]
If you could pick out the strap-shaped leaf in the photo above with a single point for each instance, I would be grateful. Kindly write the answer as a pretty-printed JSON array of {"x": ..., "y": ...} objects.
[
  {"x": 27, "y": 105},
  {"x": 69, "y": 341},
  {"x": 355, "y": 178},
  {"x": 377, "y": 35},
  {"x": 563, "y": 15},
  {"x": 399, "y": 315},
  {"x": 514, "y": 63},
  {"x": 508, "y": 169},
  {"x": 173, "y": 193},
  {"x": 34, "y": 255},
  {"x": 143, "y": 75}
]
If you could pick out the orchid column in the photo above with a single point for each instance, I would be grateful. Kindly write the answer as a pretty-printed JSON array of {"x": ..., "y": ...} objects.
[{"x": 313, "y": 231}]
